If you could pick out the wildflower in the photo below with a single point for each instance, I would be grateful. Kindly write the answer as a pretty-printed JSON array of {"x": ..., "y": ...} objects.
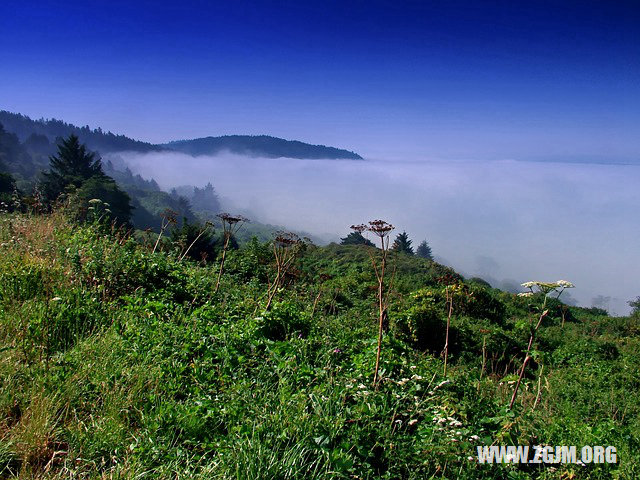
[
  {"x": 412, "y": 422},
  {"x": 525, "y": 294}
]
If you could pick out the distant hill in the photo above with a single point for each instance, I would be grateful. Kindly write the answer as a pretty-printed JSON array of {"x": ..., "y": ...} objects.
[{"x": 259, "y": 146}]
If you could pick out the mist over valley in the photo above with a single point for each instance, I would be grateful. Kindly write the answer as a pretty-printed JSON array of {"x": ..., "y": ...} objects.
[{"x": 505, "y": 221}]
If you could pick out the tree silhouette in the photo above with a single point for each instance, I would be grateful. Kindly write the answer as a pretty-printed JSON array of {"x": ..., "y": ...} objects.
[
  {"x": 402, "y": 244},
  {"x": 205, "y": 199},
  {"x": 424, "y": 250},
  {"x": 356, "y": 238},
  {"x": 75, "y": 169},
  {"x": 71, "y": 166}
]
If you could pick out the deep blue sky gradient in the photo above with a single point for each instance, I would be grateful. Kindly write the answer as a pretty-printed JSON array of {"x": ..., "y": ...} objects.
[{"x": 542, "y": 80}]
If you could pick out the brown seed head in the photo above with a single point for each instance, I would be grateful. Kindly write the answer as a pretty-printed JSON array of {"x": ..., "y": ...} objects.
[
  {"x": 286, "y": 239},
  {"x": 380, "y": 228},
  {"x": 231, "y": 219}
]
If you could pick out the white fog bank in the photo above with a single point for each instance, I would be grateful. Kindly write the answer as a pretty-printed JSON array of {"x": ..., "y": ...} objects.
[{"x": 501, "y": 220}]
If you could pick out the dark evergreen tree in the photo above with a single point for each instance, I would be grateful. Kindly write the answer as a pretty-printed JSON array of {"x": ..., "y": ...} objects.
[
  {"x": 75, "y": 170},
  {"x": 71, "y": 167},
  {"x": 356, "y": 238},
  {"x": 402, "y": 244},
  {"x": 424, "y": 250}
]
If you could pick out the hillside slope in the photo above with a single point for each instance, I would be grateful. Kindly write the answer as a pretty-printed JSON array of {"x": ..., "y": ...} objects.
[{"x": 116, "y": 362}]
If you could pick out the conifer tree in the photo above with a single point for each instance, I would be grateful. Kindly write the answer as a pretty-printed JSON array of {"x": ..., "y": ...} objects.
[
  {"x": 402, "y": 244},
  {"x": 76, "y": 169},
  {"x": 424, "y": 250},
  {"x": 71, "y": 166}
]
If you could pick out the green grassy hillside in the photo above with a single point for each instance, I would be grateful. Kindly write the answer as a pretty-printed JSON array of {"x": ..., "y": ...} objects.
[{"x": 116, "y": 362}]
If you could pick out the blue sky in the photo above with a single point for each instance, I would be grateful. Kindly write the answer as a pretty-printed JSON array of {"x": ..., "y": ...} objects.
[{"x": 543, "y": 80}]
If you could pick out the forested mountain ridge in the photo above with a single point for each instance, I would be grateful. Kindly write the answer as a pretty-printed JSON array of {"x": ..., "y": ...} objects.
[
  {"x": 43, "y": 135},
  {"x": 37, "y": 131}
]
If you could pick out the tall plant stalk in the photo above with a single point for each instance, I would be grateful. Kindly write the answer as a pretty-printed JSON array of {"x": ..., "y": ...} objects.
[
  {"x": 449, "y": 295},
  {"x": 381, "y": 229},
  {"x": 168, "y": 218},
  {"x": 230, "y": 226},
  {"x": 286, "y": 246},
  {"x": 206, "y": 227},
  {"x": 545, "y": 288}
]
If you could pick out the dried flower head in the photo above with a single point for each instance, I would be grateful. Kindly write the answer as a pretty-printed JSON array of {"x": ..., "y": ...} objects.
[
  {"x": 380, "y": 228},
  {"x": 286, "y": 239},
  {"x": 231, "y": 219}
]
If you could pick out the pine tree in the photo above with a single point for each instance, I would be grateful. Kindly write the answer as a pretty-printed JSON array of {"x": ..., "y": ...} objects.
[
  {"x": 424, "y": 250},
  {"x": 402, "y": 244},
  {"x": 75, "y": 169},
  {"x": 356, "y": 238},
  {"x": 72, "y": 166}
]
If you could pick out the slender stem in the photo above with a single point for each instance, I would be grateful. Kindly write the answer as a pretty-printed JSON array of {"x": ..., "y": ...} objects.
[
  {"x": 527, "y": 356},
  {"x": 163, "y": 226},
  {"x": 315, "y": 302},
  {"x": 381, "y": 310},
  {"x": 446, "y": 341},
  {"x": 484, "y": 356},
  {"x": 192, "y": 243},
  {"x": 227, "y": 237},
  {"x": 539, "y": 389}
]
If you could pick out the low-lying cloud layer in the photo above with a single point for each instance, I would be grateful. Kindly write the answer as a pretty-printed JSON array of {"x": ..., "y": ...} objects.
[{"x": 508, "y": 220}]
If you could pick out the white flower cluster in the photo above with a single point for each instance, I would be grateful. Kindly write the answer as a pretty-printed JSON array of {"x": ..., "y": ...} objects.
[{"x": 547, "y": 287}]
